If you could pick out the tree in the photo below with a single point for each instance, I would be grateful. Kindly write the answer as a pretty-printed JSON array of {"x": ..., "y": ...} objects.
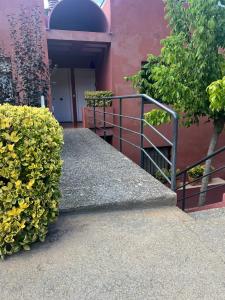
[
  {"x": 186, "y": 73},
  {"x": 30, "y": 71}
]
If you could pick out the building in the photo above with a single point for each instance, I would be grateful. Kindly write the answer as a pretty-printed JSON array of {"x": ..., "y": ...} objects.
[{"x": 93, "y": 47}]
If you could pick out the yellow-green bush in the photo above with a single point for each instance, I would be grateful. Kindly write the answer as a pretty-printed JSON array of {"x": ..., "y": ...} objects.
[{"x": 30, "y": 169}]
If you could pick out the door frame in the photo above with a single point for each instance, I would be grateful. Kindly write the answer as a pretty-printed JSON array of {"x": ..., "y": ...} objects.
[
  {"x": 74, "y": 98},
  {"x": 70, "y": 88},
  {"x": 73, "y": 89}
]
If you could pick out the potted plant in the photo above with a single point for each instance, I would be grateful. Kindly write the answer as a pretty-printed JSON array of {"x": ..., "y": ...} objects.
[
  {"x": 159, "y": 176},
  {"x": 196, "y": 173},
  {"x": 96, "y": 98}
]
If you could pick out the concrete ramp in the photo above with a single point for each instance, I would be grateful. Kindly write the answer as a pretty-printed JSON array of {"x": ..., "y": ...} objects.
[{"x": 96, "y": 175}]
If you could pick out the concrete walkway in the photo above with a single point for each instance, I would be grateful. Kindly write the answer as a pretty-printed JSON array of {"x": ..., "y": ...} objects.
[
  {"x": 135, "y": 254},
  {"x": 96, "y": 175}
]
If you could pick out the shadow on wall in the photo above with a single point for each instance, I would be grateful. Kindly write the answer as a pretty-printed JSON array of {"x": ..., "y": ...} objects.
[{"x": 78, "y": 15}]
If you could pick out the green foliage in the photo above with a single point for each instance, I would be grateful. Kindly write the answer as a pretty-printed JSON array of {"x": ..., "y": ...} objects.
[
  {"x": 143, "y": 80},
  {"x": 159, "y": 176},
  {"x": 97, "y": 97},
  {"x": 196, "y": 172},
  {"x": 190, "y": 60},
  {"x": 30, "y": 71},
  {"x": 216, "y": 91},
  {"x": 30, "y": 168},
  {"x": 157, "y": 117}
]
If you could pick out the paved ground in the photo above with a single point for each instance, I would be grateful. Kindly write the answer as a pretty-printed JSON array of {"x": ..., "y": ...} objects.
[
  {"x": 135, "y": 254},
  {"x": 96, "y": 175}
]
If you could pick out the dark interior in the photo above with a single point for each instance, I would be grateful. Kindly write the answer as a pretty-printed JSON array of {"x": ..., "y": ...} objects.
[{"x": 78, "y": 15}]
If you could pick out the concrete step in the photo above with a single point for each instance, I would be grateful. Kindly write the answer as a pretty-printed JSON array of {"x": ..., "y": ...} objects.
[
  {"x": 209, "y": 214},
  {"x": 209, "y": 226},
  {"x": 96, "y": 175},
  {"x": 132, "y": 254}
]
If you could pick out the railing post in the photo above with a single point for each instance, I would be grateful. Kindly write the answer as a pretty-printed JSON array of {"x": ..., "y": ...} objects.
[
  {"x": 94, "y": 117},
  {"x": 120, "y": 124},
  {"x": 174, "y": 154},
  {"x": 184, "y": 191},
  {"x": 142, "y": 132},
  {"x": 104, "y": 120}
]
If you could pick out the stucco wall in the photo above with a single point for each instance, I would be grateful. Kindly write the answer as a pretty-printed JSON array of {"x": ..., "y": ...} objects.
[
  {"x": 137, "y": 27},
  {"x": 13, "y": 7}
]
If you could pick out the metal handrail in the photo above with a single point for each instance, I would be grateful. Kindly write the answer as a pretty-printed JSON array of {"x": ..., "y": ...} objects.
[
  {"x": 186, "y": 183},
  {"x": 144, "y": 100},
  {"x": 202, "y": 160}
]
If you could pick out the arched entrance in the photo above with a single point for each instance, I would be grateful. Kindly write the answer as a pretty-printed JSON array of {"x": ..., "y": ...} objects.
[
  {"x": 78, "y": 46},
  {"x": 78, "y": 15}
]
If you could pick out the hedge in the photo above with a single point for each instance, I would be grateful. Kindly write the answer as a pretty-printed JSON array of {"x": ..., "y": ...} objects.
[
  {"x": 30, "y": 169},
  {"x": 97, "y": 97}
]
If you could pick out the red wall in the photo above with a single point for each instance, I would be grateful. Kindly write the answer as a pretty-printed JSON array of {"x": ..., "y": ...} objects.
[
  {"x": 13, "y": 7},
  {"x": 137, "y": 26}
]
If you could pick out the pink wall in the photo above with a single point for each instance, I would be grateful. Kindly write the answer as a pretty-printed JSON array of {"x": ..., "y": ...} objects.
[
  {"x": 107, "y": 11},
  {"x": 193, "y": 142},
  {"x": 13, "y": 7},
  {"x": 137, "y": 27}
]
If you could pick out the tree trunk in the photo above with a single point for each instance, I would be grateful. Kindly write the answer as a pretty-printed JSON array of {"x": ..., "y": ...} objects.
[{"x": 217, "y": 129}]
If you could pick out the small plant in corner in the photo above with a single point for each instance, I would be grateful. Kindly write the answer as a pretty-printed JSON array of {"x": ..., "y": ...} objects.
[
  {"x": 159, "y": 176},
  {"x": 197, "y": 173}
]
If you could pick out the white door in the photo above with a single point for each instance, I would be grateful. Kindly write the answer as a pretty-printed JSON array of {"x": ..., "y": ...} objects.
[
  {"x": 62, "y": 95},
  {"x": 84, "y": 81}
]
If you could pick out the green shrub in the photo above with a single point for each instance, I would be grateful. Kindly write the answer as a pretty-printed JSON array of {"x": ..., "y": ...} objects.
[
  {"x": 97, "y": 97},
  {"x": 30, "y": 168},
  {"x": 198, "y": 171},
  {"x": 159, "y": 176}
]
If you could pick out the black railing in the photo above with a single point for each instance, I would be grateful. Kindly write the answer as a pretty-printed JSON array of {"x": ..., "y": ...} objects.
[
  {"x": 143, "y": 138},
  {"x": 187, "y": 182}
]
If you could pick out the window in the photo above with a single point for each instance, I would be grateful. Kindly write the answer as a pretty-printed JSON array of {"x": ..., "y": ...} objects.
[{"x": 157, "y": 158}]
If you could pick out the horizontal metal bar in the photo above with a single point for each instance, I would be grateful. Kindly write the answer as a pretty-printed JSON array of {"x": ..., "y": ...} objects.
[
  {"x": 138, "y": 133},
  {"x": 202, "y": 160},
  {"x": 147, "y": 99},
  {"x": 118, "y": 115},
  {"x": 155, "y": 164},
  {"x": 138, "y": 119},
  {"x": 124, "y": 128},
  {"x": 159, "y": 133},
  {"x": 159, "y": 152},
  {"x": 213, "y": 172},
  {"x": 168, "y": 180},
  {"x": 199, "y": 193},
  {"x": 127, "y": 142}
]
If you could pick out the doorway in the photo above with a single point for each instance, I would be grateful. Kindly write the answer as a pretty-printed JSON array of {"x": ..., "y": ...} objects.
[
  {"x": 84, "y": 81},
  {"x": 65, "y": 111},
  {"x": 62, "y": 95}
]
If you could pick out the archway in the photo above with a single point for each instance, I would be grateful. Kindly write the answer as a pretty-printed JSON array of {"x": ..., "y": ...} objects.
[{"x": 78, "y": 15}]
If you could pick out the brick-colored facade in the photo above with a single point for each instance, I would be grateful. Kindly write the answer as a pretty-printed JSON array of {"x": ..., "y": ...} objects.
[{"x": 128, "y": 30}]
